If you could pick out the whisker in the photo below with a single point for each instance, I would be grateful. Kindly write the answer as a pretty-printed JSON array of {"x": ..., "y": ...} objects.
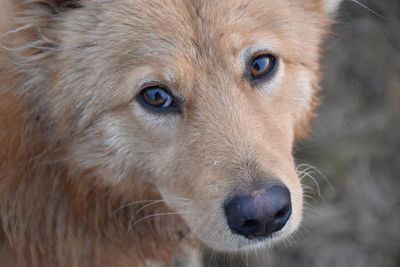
[
  {"x": 150, "y": 202},
  {"x": 25, "y": 27},
  {"x": 154, "y": 215},
  {"x": 312, "y": 179},
  {"x": 367, "y": 8},
  {"x": 177, "y": 200},
  {"x": 315, "y": 169},
  {"x": 133, "y": 203}
]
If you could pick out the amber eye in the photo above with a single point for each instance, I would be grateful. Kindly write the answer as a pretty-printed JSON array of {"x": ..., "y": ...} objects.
[
  {"x": 262, "y": 66},
  {"x": 157, "y": 99}
]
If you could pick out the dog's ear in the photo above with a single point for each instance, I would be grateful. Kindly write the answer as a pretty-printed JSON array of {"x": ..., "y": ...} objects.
[{"x": 331, "y": 6}]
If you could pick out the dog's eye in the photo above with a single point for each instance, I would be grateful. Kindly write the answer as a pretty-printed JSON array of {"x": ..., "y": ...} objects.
[
  {"x": 262, "y": 66},
  {"x": 158, "y": 99}
]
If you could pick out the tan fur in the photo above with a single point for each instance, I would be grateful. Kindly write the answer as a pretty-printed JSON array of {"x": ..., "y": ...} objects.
[{"x": 79, "y": 154}]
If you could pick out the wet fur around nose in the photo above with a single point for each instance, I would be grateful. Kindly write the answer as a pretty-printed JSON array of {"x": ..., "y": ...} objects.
[{"x": 90, "y": 177}]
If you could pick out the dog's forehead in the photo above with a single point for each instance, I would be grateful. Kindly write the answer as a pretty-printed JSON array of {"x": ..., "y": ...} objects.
[
  {"x": 189, "y": 32},
  {"x": 197, "y": 24}
]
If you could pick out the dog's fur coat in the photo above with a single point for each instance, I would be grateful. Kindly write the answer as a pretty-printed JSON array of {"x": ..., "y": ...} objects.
[{"x": 79, "y": 158}]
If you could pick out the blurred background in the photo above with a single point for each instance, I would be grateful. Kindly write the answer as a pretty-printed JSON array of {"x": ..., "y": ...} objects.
[{"x": 355, "y": 147}]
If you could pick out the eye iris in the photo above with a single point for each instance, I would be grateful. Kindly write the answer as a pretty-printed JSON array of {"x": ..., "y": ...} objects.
[
  {"x": 262, "y": 65},
  {"x": 157, "y": 97}
]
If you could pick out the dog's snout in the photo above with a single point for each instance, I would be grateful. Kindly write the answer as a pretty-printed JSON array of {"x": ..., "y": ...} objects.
[{"x": 260, "y": 213}]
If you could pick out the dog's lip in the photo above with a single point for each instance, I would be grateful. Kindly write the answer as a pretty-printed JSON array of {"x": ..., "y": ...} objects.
[
  {"x": 251, "y": 244},
  {"x": 259, "y": 241},
  {"x": 257, "y": 238},
  {"x": 262, "y": 238}
]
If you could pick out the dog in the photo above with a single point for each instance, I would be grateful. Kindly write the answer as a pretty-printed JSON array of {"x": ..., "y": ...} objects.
[{"x": 132, "y": 131}]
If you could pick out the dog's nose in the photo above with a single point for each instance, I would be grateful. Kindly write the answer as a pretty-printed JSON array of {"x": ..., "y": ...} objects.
[{"x": 260, "y": 213}]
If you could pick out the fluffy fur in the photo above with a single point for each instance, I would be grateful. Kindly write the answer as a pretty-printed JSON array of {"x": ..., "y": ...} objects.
[{"x": 82, "y": 163}]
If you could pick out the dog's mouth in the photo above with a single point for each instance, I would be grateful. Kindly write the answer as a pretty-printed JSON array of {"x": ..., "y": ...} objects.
[
  {"x": 258, "y": 242},
  {"x": 226, "y": 241}
]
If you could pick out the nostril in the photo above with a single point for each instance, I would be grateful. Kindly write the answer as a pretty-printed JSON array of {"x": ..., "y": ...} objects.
[
  {"x": 280, "y": 219},
  {"x": 280, "y": 213},
  {"x": 283, "y": 212},
  {"x": 250, "y": 224}
]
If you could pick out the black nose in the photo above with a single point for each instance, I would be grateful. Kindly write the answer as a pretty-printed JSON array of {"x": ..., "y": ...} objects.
[{"x": 260, "y": 213}]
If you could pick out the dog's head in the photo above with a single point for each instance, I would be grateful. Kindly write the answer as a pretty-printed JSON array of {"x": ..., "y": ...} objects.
[{"x": 203, "y": 99}]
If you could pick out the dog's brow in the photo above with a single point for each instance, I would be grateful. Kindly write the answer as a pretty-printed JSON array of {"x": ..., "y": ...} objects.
[{"x": 169, "y": 76}]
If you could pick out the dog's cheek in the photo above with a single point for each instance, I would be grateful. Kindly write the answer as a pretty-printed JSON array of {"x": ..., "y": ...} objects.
[
  {"x": 301, "y": 94},
  {"x": 119, "y": 146}
]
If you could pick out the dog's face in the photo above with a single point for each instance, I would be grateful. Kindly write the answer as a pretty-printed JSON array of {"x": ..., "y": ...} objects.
[{"x": 204, "y": 99}]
